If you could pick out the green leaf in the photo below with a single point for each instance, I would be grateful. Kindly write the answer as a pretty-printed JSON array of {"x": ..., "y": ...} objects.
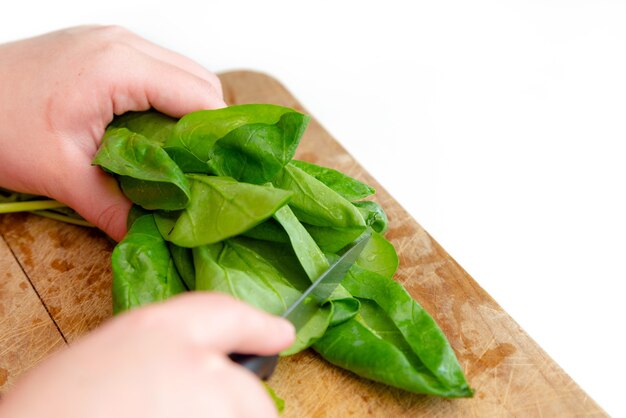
[
  {"x": 315, "y": 264},
  {"x": 183, "y": 260},
  {"x": 281, "y": 256},
  {"x": 278, "y": 401},
  {"x": 143, "y": 270},
  {"x": 220, "y": 208},
  {"x": 255, "y": 153},
  {"x": 379, "y": 256},
  {"x": 232, "y": 268},
  {"x": 311, "y": 257},
  {"x": 147, "y": 175},
  {"x": 374, "y": 215},
  {"x": 315, "y": 203},
  {"x": 330, "y": 239},
  {"x": 195, "y": 134},
  {"x": 284, "y": 260},
  {"x": 269, "y": 230},
  {"x": 350, "y": 188},
  {"x": 393, "y": 340},
  {"x": 154, "y": 125}
]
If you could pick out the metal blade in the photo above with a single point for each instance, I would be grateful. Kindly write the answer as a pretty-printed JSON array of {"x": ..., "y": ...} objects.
[{"x": 303, "y": 309}]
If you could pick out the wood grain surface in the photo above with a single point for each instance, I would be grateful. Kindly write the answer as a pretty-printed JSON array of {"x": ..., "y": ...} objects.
[{"x": 55, "y": 282}]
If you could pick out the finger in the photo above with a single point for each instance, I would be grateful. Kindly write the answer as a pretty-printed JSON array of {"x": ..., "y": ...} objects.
[
  {"x": 95, "y": 195},
  {"x": 176, "y": 59},
  {"x": 226, "y": 325},
  {"x": 122, "y": 35},
  {"x": 149, "y": 82}
]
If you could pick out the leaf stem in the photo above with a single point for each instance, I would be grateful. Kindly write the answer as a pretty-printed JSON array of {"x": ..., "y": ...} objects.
[
  {"x": 30, "y": 205},
  {"x": 62, "y": 218}
]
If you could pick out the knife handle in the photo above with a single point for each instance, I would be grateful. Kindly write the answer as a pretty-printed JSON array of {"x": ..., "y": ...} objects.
[{"x": 262, "y": 366}]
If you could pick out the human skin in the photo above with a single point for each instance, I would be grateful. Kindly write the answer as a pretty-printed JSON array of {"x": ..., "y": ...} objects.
[
  {"x": 59, "y": 91},
  {"x": 164, "y": 360}
]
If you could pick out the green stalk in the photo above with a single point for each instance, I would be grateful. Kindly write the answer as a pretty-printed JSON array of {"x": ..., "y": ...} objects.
[
  {"x": 62, "y": 218},
  {"x": 30, "y": 205}
]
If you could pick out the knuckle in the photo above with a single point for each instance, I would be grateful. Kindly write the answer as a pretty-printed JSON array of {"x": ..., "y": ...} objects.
[
  {"x": 109, "y": 217},
  {"x": 111, "y": 32},
  {"x": 112, "y": 50},
  {"x": 216, "y": 83}
]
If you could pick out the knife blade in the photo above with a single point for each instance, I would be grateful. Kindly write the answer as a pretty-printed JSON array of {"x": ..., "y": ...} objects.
[{"x": 307, "y": 305}]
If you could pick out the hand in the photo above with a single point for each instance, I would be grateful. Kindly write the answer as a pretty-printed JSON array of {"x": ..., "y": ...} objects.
[
  {"x": 164, "y": 360},
  {"x": 59, "y": 91}
]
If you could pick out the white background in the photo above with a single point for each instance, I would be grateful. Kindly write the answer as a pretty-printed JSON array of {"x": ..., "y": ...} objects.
[{"x": 499, "y": 125}]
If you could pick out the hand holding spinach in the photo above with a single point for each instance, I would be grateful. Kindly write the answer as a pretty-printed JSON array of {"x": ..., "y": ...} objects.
[{"x": 59, "y": 92}]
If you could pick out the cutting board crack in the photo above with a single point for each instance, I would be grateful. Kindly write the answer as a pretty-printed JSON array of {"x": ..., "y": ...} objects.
[{"x": 32, "y": 285}]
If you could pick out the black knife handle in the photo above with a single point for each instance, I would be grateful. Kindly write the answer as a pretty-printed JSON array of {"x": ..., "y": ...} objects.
[{"x": 262, "y": 366}]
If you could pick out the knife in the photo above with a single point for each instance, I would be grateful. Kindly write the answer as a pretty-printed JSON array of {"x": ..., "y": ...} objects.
[{"x": 305, "y": 307}]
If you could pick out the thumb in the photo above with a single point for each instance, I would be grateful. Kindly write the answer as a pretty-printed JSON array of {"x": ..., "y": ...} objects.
[{"x": 97, "y": 197}]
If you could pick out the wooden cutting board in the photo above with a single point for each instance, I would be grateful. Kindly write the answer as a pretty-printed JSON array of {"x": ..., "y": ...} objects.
[{"x": 55, "y": 282}]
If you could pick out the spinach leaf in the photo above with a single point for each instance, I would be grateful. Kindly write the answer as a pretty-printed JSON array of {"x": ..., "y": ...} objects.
[
  {"x": 284, "y": 260},
  {"x": 183, "y": 261},
  {"x": 379, "y": 256},
  {"x": 310, "y": 256},
  {"x": 135, "y": 213},
  {"x": 315, "y": 203},
  {"x": 374, "y": 215},
  {"x": 235, "y": 269},
  {"x": 192, "y": 140},
  {"x": 143, "y": 270},
  {"x": 255, "y": 153},
  {"x": 269, "y": 230},
  {"x": 154, "y": 125},
  {"x": 147, "y": 175},
  {"x": 331, "y": 239},
  {"x": 281, "y": 256},
  {"x": 220, "y": 208},
  {"x": 314, "y": 262},
  {"x": 393, "y": 340},
  {"x": 278, "y": 401},
  {"x": 351, "y": 189}
]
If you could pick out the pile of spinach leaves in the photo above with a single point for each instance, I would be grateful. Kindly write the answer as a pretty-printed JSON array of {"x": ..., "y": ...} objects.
[{"x": 221, "y": 205}]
